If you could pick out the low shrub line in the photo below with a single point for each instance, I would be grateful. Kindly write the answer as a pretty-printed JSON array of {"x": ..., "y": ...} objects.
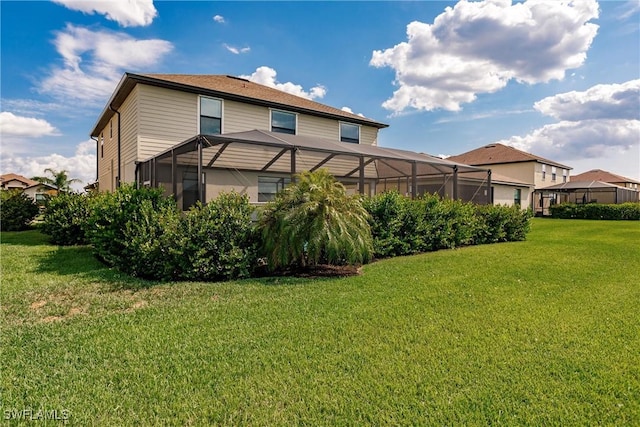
[
  {"x": 623, "y": 211},
  {"x": 312, "y": 222}
]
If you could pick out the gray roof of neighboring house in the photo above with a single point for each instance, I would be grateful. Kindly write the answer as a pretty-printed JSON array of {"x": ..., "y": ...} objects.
[{"x": 227, "y": 87}]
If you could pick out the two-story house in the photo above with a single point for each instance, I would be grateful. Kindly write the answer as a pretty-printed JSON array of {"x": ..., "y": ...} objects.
[
  {"x": 608, "y": 177},
  {"x": 510, "y": 162},
  {"x": 198, "y": 135}
]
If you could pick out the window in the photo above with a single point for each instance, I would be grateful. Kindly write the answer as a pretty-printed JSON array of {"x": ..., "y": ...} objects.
[
  {"x": 102, "y": 145},
  {"x": 544, "y": 172},
  {"x": 553, "y": 173},
  {"x": 210, "y": 116},
  {"x": 283, "y": 122},
  {"x": 111, "y": 129},
  {"x": 564, "y": 175},
  {"x": 349, "y": 133},
  {"x": 268, "y": 186},
  {"x": 517, "y": 197}
]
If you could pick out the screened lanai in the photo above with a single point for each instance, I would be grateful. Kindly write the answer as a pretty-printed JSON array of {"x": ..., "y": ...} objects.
[{"x": 260, "y": 163}]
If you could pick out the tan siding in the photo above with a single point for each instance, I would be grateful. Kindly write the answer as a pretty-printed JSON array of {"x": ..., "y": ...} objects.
[
  {"x": 166, "y": 118},
  {"x": 318, "y": 127},
  {"x": 239, "y": 117},
  {"x": 368, "y": 135},
  {"x": 129, "y": 129}
]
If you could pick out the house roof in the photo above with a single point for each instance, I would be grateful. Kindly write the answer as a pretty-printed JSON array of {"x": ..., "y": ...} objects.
[
  {"x": 494, "y": 154},
  {"x": 8, "y": 177},
  {"x": 579, "y": 185},
  {"x": 227, "y": 87},
  {"x": 603, "y": 176}
]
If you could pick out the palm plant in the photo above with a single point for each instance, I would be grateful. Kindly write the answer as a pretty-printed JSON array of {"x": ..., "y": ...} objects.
[
  {"x": 313, "y": 222},
  {"x": 59, "y": 179}
]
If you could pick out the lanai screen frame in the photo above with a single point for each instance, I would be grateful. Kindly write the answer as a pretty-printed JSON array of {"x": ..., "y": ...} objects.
[{"x": 204, "y": 151}]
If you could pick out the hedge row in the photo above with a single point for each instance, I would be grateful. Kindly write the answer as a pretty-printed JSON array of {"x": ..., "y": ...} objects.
[
  {"x": 142, "y": 233},
  {"x": 624, "y": 211},
  {"x": 401, "y": 226}
]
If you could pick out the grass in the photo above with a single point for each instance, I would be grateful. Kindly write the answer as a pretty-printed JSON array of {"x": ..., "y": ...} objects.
[{"x": 542, "y": 332}]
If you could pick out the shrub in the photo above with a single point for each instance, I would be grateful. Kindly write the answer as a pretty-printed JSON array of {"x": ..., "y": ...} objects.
[
  {"x": 112, "y": 212},
  {"x": 216, "y": 241},
  {"x": 312, "y": 222},
  {"x": 17, "y": 210},
  {"x": 65, "y": 219},
  {"x": 624, "y": 211},
  {"x": 148, "y": 240}
]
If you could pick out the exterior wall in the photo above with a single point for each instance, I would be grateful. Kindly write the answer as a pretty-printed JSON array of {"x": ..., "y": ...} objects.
[
  {"x": 504, "y": 195},
  {"x": 165, "y": 118},
  {"x": 13, "y": 184},
  {"x": 368, "y": 135},
  {"x": 546, "y": 179},
  {"x": 108, "y": 155},
  {"x": 239, "y": 117},
  {"x": 318, "y": 127}
]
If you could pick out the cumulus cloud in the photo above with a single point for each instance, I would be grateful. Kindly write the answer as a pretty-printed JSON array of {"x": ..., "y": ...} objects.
[
  {"x": 127, "y": 13},
  {"x": 577, "y": 140},
  {"x": 267, "y": 76},
  {"x": 349, "y": 110},
  {"x": 19, "y": 126},
  {"x": 93, "y": 62},
  {"x": 82, "y": 165},
  {"x": 606, "y": 101},
  {"x": 478, "y": 47},
  {"x": 219, "y": 19},
  {"x": 236, "y": 50},
  {"x": 597, "y": 127}
]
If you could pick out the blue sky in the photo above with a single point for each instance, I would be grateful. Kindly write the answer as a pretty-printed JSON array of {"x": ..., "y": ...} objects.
[{"x": 558, "y": 79}]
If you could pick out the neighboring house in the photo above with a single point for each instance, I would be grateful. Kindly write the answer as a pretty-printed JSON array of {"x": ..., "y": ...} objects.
[
  {"x": 537, "y": 172},
  {"x": 198, "y": 135},
  {"x": 608, "y": 177},
  {"x": 12, "y": 181},
  {"x": 34, "y": 189},
  {"x": 581, "y": 192}
]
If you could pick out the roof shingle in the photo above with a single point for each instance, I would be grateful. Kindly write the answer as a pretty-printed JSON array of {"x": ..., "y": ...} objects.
[
  {"x": 603, "y": 176},
  {"x": 493, "y": 154}
]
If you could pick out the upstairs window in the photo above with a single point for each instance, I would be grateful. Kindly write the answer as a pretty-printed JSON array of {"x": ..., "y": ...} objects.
[
  {"x": 553, "y": 173},
  {"x": 544, "y": 172},
  {"x": 564, "y": 175},
  {"x": 283, "y": 122},
  {"x": 210, "y": 116},
  {"x": 350, "y": 133},
  {"x": 102, "y": 145}
]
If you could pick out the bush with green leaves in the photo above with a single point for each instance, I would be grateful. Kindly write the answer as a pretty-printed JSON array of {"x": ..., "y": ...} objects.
[
  {"x": 501, "y": 224},
  {"x": 65, "y": 218},
  {"x": 113, "y": 217},
  {"x": 17, "y": 210},
  {"x": 313, "y": 221},
  {"x": 623, "y": 211},
  {"x": 217, "y": 240}
]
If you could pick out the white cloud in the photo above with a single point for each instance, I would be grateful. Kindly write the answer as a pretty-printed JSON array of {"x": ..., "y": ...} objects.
[
  {"x": 349, "y": 110},
  {"x": 19, "y": 126},
  {"x": 630, "y": 8},
  {"x": 582, "y": 139},
  {"x": 82, "y": 165},
  {"x": 478, "y": 47},
  {"x": 606, "y": 101},
  {"x": 235, "y": 50},
  {"x": 127, "y": 13},
  {"x": 219, "y": 19},
  {"x": 95, "y": 60},
  {"x": 267, "y": 76}
]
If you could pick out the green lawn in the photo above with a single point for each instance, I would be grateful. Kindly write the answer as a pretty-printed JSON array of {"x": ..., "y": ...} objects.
[{"x": 542, "y": 332}]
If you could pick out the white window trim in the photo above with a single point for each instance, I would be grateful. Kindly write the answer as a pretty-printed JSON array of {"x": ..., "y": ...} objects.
[
  {"x": 340, "y": 123},
  {"x": 271, "y": 110},
  {"x": 221, "y": 112}
]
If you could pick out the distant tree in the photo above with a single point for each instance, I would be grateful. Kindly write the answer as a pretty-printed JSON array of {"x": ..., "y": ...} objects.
[{"x": 59, "y": 179}]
